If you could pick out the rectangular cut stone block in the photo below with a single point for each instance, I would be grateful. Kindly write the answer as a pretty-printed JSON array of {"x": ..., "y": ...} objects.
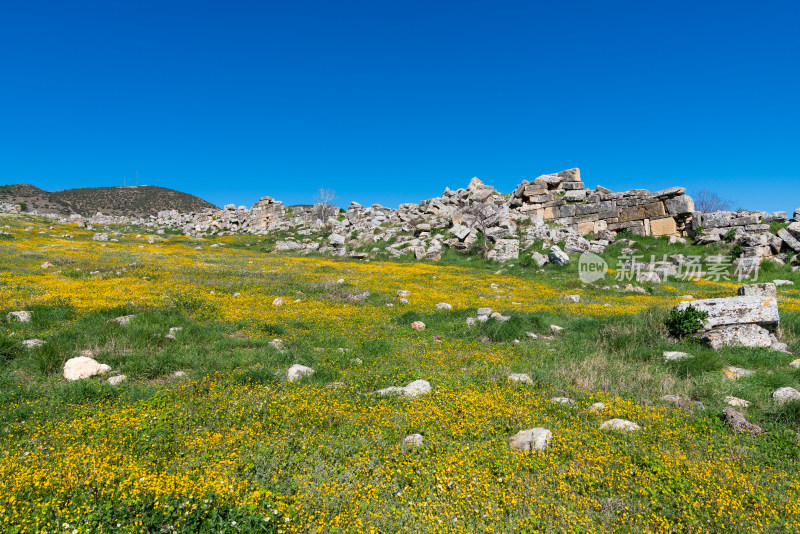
[
  {"x": 679, "y": 205},
  {"x": 670, "y": 192},
  {"x": 654, "y": 209},
  {"x": 740, "y": 335},
  {"x": 661, "y": 227},
  {"x": 789, "y": 239},
  {"x": 633, "y": 213},
  {"x": 573, "y": 186},
  {"x": 586, "y": 227},
  {"x": 737, "y": 310},
  {"x": 758, "y": 290}
]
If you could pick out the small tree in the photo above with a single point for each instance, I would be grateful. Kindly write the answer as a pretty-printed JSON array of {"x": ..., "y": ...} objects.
[
  {"x": 706, "y": 201},
  {"x": 326, "y": 197}
]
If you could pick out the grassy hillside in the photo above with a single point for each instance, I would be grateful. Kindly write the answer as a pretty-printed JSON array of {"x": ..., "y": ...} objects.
[
  {"x": 130, "y": 201},
  {"x": 233, "y": 446}
]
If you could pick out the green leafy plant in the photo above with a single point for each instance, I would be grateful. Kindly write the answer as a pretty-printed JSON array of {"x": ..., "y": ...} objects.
[{"x": 685, "y": 322}]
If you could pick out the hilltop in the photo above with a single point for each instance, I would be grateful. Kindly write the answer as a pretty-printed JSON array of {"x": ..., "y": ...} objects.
[{"x": 131, "y": 201}]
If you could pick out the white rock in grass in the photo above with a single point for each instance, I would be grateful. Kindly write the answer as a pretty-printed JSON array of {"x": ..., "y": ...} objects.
[
  {"x": 444, "y": 306},
  {"x": 571, "y": 299},
  {"x": 402, "y": 301},
  {"x": 123, "y": 320},
  {"x": 562, "y": 400},
  {"x": 276, "y": 344},
  {"x": 277, "y": 302},
  {"x": 673, "y": 355},
  {"x": 784, "y": 395},
  {"x": 795, "y": 364},
  {"x": 419, "y": 326},
  {"x": 555, "y": 329},
  {"x": 736, "y": 402},
  {"x": 484, "y": 312},
  {"x": 779, "y": 283},
  {"x": 623, "y": 425},
  {"x": 530, "y": 439},
  {"x": 117, "y": 380},
  {"x": 297, "y": 371},
  {"x": 172, "y": 331},
  {"x": 414, "y": 440},
  {"x": 414, "y": 389},
  {"x": 597, "y": 407},
  {"x": 471, "y": 321},
  {"x": 520, "y": 378},
  {"x": 21, "y": 316},
  {"x": 178, "y": 374},
  {"x": 735, "y": 373},
  {"x": 33, "y": 343},
  {"x": 403, "y": 293},
  {"x": 82, "y": 367}
]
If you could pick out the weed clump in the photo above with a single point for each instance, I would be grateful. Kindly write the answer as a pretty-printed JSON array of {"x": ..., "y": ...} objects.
[{"x": 685, "y": 322}]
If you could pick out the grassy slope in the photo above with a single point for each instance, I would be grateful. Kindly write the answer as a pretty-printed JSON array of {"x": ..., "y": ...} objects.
[{"x": 234, "y": 444}]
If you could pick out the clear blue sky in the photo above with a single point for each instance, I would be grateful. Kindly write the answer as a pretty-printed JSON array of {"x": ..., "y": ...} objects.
[{"x": 391, "y": 102}]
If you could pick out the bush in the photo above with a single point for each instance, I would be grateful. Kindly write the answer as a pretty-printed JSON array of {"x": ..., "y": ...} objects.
[
  {"x": 9, "y": 348},
  {"x": 682, "y": 323}
]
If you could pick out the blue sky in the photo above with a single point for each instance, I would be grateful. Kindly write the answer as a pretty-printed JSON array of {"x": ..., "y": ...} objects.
[{"x": 391, "y": 102}]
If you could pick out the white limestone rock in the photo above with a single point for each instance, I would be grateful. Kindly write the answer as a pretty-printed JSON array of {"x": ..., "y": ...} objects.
[
  {"x": 532, "y": 439},
  {"x": 83, "y": 367},
  {"x": 297, "y": 371},
  {"x": 622, "y": 425}
]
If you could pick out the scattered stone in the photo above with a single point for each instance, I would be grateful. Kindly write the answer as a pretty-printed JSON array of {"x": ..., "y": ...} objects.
[
  {"x": 356, "y": 361},
  {"x": 562, "y": 400},
  {"x": 531, "y": 335},
  {"x": 735, "y": 373},
  {"x": 413, "y": 389},
  {"x": 471, "y": 321},
  {"x": 758, "y": 290},
  {"x": 21, "y": 316},
  {"x": 520, "y": 378},
  {"x": 297, "y": 371},
  {"x": 786, "y": 394},
  {"x": 672, "y": 355},
  {"x": 276, "y": 344},
  {"x": 738, "y": 423},
  {"x": 278, "y": 302},
  {"x": 682, "y": 402},
  {"x": 597, "y": 407},
  {"x": 33, "y": 343},
  {"x": 737, "y": 402},
  {"x": 403, "y": 293},
  {"x": 414, "y": 440},
  {"x": 117, "y": 380},
  {"x": 444, "y": 306},
  {"x": 557, "y": 256},
  {"x": 419, "y": 326},
  {"x": 622, "y": 425},
  {"x": 172, "y": 331},
  {"x": 178, "y": 374},
  {"x": 555, "y": 329},
  {"x": 335, "y": 385},
  {"x": 779, "y": 283},
  {"x": 530, "y": 439},
  {"x": 83, "y": 367},
  {"x": 571, "y": 299},
  {"x": 47, "y": 265},
  {"x": 795, "y": 364},
  {"x": 123, "y": 320}
]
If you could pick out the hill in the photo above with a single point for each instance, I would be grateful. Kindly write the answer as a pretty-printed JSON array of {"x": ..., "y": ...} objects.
[{"x": 128, "y": 201}]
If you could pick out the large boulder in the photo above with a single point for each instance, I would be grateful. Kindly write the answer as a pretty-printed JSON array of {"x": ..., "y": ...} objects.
[
  {"x": 736, "y": 311},
  {"x": 744, "y": 335},
  {"x": 83, "y": 367},
  {"x": 557, "y": 256},
  {"x": 758, "y": 290},
  {"x": 738, "y": 423},
  {"x": 413, "y": 389}
]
